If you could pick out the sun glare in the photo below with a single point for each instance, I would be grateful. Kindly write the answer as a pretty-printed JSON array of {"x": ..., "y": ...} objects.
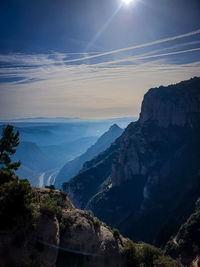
[{"x": 127, "y": 1}]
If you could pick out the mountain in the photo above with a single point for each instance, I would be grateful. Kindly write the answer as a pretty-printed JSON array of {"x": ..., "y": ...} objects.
[
  {"x": 67, "y": 151},
  {"x": 71, "y": 168},
  {"x": 31, "y": 156},
  {"x": 42, "y": 228},
  {"x": 152, "y": 182},
  {"x": 93, "y": 178}
]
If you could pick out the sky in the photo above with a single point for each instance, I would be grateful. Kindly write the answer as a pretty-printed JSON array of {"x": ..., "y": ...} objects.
[{"x": 93, "y": 58}]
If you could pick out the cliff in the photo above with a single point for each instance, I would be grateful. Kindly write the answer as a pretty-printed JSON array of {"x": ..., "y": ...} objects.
[
  {"x": 47, "y": 231},
  {"x": 59, "y": 235},
  {"x": 173, "y": 105},
  {"x": 154, "y": 178}
]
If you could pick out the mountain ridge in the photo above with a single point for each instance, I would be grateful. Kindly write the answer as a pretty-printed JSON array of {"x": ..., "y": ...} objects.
[
  {"x": 155, "y": 157},
  {"x": 73, "y": 167}
]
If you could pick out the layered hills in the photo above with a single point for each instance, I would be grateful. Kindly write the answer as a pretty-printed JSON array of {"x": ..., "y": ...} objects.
[{"x": 71, "y": 168}]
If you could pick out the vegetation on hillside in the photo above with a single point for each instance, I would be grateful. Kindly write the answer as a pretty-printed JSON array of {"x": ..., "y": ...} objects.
[
  {"x": 21, "y": 206},
  {"x": 186, "y": 244}
]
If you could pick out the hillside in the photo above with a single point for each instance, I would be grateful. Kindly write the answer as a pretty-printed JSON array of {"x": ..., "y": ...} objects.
[
  {"x": 64, "y": 152},
  {"x": 43, "y": 229},
  {"x": 93, "y": 178},
  {"x": 154, "y": 179},
  {"x": 185, "y": 244},
  {"x": 73, "y": 167}
]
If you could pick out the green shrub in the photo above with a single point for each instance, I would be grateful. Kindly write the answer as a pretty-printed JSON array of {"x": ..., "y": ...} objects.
[
  {"x": 163, "y": 261},
  {"x": 49, "y": 207},
  {"x": 116, "y": 234},
  {"x": 129, "y": 254},
  {"x": 147, "y": 254},
  {"x": 16, "y": 203},
  {"x": 97, "y": 224},
  {"x": 5, "y": 176}
]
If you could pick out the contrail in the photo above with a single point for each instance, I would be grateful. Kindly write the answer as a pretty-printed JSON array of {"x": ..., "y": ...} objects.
[
  {"x": 146, "y": 57},
  {"x": 136, "y": 46}
]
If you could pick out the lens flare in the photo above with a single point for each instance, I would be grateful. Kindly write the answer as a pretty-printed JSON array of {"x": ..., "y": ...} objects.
[{"x": 127, "y": 1}]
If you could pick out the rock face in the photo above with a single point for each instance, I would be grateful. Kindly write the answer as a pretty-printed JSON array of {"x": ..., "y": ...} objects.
[
  {"x": 161, "y": 153},
  {"x": 172, "y": 105},
  {"x": 155, "y": 176},
  {"x": 168, "y": 116},
  {"x": 73, "y": 167},
  {"x": 34, "y": 248},
  {"x": 60, "y": 235},
  {"x": 75, "y": 239},
  {"x": 92, "y": 244}
]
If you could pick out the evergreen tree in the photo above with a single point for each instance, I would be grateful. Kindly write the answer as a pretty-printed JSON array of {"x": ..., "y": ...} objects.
[{"x": 8, "y": 142}]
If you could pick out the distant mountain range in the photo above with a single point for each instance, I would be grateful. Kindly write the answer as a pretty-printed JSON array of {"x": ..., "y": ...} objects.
[
  {"x": 68, "y": 151},
  {"x": 59, "y": 140},
  {"x": 123, "y": 120},
  {"x": 72, "y": 167}
]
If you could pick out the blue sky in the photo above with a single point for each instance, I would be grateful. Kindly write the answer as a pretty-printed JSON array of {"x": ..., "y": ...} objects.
[{"x": 92, "y": 58}]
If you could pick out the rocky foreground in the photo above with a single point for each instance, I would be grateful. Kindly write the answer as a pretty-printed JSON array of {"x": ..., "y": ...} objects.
[{"x": 57, "y": 234}]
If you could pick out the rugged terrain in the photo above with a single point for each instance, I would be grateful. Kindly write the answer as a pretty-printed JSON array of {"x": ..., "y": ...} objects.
[
  {"x": 43, "y": 229},
  {"x": 152, "y": 183}
]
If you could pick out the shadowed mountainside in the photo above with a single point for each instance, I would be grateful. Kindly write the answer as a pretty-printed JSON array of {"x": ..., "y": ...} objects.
[
  {"x": 73, "y": 167},
  {"x": 152, "y": 183}
]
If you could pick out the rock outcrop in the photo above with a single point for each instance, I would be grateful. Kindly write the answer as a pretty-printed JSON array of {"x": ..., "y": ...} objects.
[
  {"x": 60, "y": 235},
  {"x": 74, "y": 238},
  {"x": 173, "y": 105},
  {"x": 155, "y": 175}
]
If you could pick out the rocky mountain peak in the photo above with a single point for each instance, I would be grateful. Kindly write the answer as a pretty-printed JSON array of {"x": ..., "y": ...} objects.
[
  {"x": 176, "y": 104},
  {"x": 114, "y": 127}
]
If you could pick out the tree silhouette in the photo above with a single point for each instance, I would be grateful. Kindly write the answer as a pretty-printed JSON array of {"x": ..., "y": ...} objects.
[{"x": 8, "y": 142}]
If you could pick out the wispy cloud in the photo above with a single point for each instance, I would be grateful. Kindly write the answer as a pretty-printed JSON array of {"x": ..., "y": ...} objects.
[
  {"x": 52, "y": 85},
  {"x": 160, "y": 41}
]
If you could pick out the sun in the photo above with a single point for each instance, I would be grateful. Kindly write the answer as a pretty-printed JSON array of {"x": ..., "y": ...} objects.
[{"x": 127, "y": 1}]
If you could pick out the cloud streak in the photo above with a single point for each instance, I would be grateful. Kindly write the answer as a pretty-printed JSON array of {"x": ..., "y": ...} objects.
[
  {"x": 160, "y": 41},
  {"x": 49, "y": 85}
]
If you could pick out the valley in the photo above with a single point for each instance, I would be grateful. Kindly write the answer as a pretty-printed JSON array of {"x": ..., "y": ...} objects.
[{"x": 143, "y": 180}]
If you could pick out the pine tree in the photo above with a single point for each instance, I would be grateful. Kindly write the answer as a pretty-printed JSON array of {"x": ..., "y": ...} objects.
[{"x": 8, "y": 142}]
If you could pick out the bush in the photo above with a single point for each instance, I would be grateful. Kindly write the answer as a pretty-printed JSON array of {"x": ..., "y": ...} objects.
[
  {"x": 97, "y": 224},
  {"x": 116, "y": 234},
  {"x": 16, "y": 203},
  {"x": 5, "y": 176},
  {"x": 163, "y": 261},
  {"x": 49, "y": 207},
  {"x": 147, "y": 254},
  {"x": 52, "y": 187},
  {"x": 129, "y": 254}
]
